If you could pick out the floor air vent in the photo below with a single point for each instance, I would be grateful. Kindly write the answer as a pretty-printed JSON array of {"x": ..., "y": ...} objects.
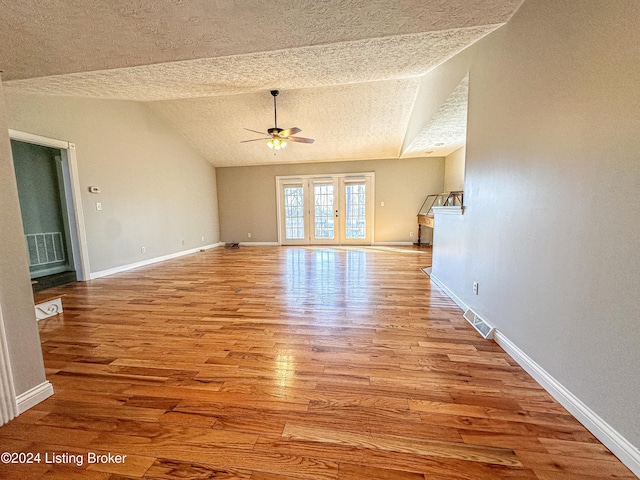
[{"x": 479, "y": 324}]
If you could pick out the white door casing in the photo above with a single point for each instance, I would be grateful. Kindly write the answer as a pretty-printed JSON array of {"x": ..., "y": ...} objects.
[
  {"x": 80, "y": 255},
  {"x": 325, "y": 209}
]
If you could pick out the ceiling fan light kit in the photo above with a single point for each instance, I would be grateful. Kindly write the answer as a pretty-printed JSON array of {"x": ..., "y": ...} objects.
[
  {"x": 278, "y": 137},
  {"x": 276, "y": 143}
]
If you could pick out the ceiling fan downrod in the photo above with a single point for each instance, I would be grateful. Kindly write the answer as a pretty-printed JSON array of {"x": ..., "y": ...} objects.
[
  {"x": 278, "y": 138},
  {"x": 275, "y": 109}
]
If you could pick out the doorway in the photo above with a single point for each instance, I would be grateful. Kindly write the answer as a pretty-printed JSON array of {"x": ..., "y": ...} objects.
[
  {"x": 52, "y": 218},
  {"x": 325, "y": 210}
]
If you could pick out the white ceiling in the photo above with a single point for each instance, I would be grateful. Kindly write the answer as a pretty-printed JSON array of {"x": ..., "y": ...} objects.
[{"x": 348, "y": 71}]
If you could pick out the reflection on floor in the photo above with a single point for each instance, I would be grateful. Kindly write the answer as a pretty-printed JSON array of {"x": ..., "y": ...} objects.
[{"x": 269, "y": 363}]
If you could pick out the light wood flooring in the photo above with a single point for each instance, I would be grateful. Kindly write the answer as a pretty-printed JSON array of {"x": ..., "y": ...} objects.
[{"x": 268, "y": 363}]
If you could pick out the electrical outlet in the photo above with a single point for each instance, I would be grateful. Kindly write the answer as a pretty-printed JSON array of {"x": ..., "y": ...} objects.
[
  {"x": 475, "y": 288},
  {"x": 143, "y": 249},
  {"x": 202, "y": 238},
  {"x": 411, "y": 234},
  {"x": 249, "y": 234},
  {"x": 382, "y": 204}
]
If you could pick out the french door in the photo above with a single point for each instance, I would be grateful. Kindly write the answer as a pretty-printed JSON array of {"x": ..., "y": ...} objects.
[{"x": 325, "y": 210}]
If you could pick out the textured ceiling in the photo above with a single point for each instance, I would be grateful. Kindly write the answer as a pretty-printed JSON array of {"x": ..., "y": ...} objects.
[
  {"x": 359, "y": 61},
  {"x": 325, "y": 114},
  {"x": 348, "y": 71},
  {"x": 447, "y": 129}
]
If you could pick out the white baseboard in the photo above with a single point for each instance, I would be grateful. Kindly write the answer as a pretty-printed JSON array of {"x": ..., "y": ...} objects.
[
  {"x": 374, "y": 244},
  {"x": 259, "y": 244},
  {"x": 619, "y": 445},
  {"x": 456, "y": 299},
  {"x": 34, "y": 396},
  {"x": 391, "y": 244},
  {"x": 614, "y": 441},
  {"x": 144, "y": 263}
]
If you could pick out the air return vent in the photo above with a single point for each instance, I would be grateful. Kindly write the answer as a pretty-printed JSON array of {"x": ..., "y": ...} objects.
[
  {"x": 45, "y": 248},
  {"x": 479, "y": 324}
]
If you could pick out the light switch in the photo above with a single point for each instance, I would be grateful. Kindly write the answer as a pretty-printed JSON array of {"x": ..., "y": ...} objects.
[{"x": 98, "y": 205}]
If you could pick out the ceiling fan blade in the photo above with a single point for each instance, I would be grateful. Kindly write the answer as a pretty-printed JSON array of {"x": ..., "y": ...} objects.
[
  {"x": 256, "y": 131},
  {"x": 254, "y": 140},
  {"x": 289, "y": 131},
  {"x": 301, "y": 139}
]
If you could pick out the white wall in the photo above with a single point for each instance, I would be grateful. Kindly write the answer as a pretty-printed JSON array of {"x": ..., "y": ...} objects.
[
  {"x": 454, "y": 170},
  {"x": 16, "y": 300},
  {"x": 156, "y": 191},
  {"x": 550, "y": 229}
]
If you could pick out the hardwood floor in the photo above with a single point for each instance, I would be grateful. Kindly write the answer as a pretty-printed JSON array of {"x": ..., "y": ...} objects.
[{"x": 268, "y": 363}]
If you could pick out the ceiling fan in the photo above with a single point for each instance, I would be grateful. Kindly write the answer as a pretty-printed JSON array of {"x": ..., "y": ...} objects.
[{"x": 278, "y": 137}]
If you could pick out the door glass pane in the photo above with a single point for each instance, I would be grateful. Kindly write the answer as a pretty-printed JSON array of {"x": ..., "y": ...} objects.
[
  {"x": 355, "y": 197},
  {"x": 294, "y": 213},
  {"x": 323, "y": 210}
]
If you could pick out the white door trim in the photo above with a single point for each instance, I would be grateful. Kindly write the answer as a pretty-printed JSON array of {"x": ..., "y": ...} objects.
[
  {"x": 8, "y": 406},
  {"x": 73, "y": 194},
  {"x": 306, "y": 179}
]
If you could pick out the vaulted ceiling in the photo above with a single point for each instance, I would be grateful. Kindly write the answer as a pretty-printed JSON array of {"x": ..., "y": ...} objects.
[{"x": 349, "y": 72}]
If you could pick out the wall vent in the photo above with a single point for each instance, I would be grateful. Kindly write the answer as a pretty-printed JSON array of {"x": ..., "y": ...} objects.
[
  {"x": 45, "y": 248},
  {"x": 479, "y": 324}
]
